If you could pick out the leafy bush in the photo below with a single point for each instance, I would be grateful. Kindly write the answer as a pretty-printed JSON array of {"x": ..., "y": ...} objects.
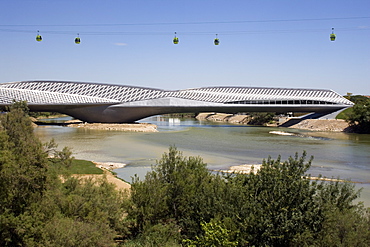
[
  {"x": 359, "y": 115},
  {"x": 359, "y": 118},
  {"x": 277, "y": 206}
]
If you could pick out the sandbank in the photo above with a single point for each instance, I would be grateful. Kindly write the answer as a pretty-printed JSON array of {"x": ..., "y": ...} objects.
[{"x": 135, "y": 127}]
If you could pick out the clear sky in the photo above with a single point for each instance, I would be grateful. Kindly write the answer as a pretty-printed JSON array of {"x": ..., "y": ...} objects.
[{"x": 266, "y": 43}]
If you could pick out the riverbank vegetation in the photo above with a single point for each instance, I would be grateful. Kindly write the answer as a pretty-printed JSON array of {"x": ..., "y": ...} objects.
[
  {"x": 178, "y": 203},
  {"x": 42, "y": 115},
  {"x": 359, "y": 115},
  {"x": 41, "y": 204}
]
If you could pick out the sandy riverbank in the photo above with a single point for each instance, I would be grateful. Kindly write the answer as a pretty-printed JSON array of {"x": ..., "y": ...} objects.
[
  {"x": 135, "y": 127},
  {"x": 129, "y": 127},
  {"x": 120, "y": 185},
  {"x": 107, "y": 167}
]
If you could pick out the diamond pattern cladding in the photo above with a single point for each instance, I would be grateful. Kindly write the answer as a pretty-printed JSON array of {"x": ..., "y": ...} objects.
[{"x": 60, "y": 92}]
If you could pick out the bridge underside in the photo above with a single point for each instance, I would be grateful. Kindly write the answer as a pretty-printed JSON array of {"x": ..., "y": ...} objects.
[{"x": 127, "y": 114}]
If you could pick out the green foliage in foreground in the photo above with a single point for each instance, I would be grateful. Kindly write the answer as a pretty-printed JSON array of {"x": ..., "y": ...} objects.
[
  {"x": 179, "y": 203},
  {"x": 278, "y": 206},
  {"x": 37, "y": 208}
]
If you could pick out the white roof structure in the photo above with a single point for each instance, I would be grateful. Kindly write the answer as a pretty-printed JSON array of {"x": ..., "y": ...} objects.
[{"x": 100, "y": 102}]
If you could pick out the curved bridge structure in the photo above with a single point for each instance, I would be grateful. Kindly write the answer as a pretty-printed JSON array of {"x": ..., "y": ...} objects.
[{"x": 106, "y": 103}]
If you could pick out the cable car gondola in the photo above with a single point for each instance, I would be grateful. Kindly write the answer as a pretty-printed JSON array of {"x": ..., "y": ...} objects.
[
  {"x": 77, "y": 39},
  {"x": 332, "y": 35},
  {"x": 175, "y": 40},
  {"x": 38, "y": 37},
  {"x": 216, "y": 41}
]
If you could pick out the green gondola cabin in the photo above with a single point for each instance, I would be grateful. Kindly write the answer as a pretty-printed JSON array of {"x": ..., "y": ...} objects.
[
  {"x": 175, "y": 40},
  {"x": 216, "y": 41},
  {"x": 332, "y": 35}
]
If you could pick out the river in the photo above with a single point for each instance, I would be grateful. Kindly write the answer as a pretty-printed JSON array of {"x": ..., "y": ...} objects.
[{"x": 220, "y": 145}]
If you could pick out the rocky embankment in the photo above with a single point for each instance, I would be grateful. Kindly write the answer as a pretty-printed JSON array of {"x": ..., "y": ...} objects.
[
  {"x": 223, "y": 117},
  {"x": 334, "y": 125}
]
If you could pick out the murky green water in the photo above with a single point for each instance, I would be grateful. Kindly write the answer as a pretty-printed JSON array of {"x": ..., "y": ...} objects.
[{"x": 220, "y": 145}]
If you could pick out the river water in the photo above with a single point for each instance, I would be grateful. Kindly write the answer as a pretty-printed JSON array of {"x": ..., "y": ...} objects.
[{"x": 220, "y": 145}]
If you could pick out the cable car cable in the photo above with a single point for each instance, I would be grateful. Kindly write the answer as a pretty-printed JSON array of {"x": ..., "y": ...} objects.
[{"x": 186, "y": 23}]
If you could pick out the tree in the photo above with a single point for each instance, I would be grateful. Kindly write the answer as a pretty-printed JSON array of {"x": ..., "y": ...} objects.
[
  {"x": 261, "y": 118},
  {"x": 346, "y": 227},
  {"x": 278, "y": 202},
  {"x": 359, "y": 115},
  {"x": 178, "y": 189},
  {"x": 359, "y": 118},
  {"x": 23, "y": 171},
  {"x": 282, "y": 207},
  {"x": 37, "y": 208},
  {"x": 26, "y": 167}
]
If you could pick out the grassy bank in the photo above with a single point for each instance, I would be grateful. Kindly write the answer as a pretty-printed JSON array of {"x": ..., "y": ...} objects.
[
  {"x": 344, "y": 114},
  {"x": 84, "y": 167}
]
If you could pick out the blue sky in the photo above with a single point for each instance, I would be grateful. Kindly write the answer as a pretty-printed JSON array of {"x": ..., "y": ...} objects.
[{"x": 262, "y": 43}]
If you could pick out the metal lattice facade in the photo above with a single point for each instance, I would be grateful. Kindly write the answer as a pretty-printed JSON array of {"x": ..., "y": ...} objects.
[{"x": 60, "y": 94}]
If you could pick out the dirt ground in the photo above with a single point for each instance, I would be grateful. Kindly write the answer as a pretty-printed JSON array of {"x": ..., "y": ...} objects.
[
  {"x": 335, "y": 125},
  {"x": 120, "y": 185}
]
